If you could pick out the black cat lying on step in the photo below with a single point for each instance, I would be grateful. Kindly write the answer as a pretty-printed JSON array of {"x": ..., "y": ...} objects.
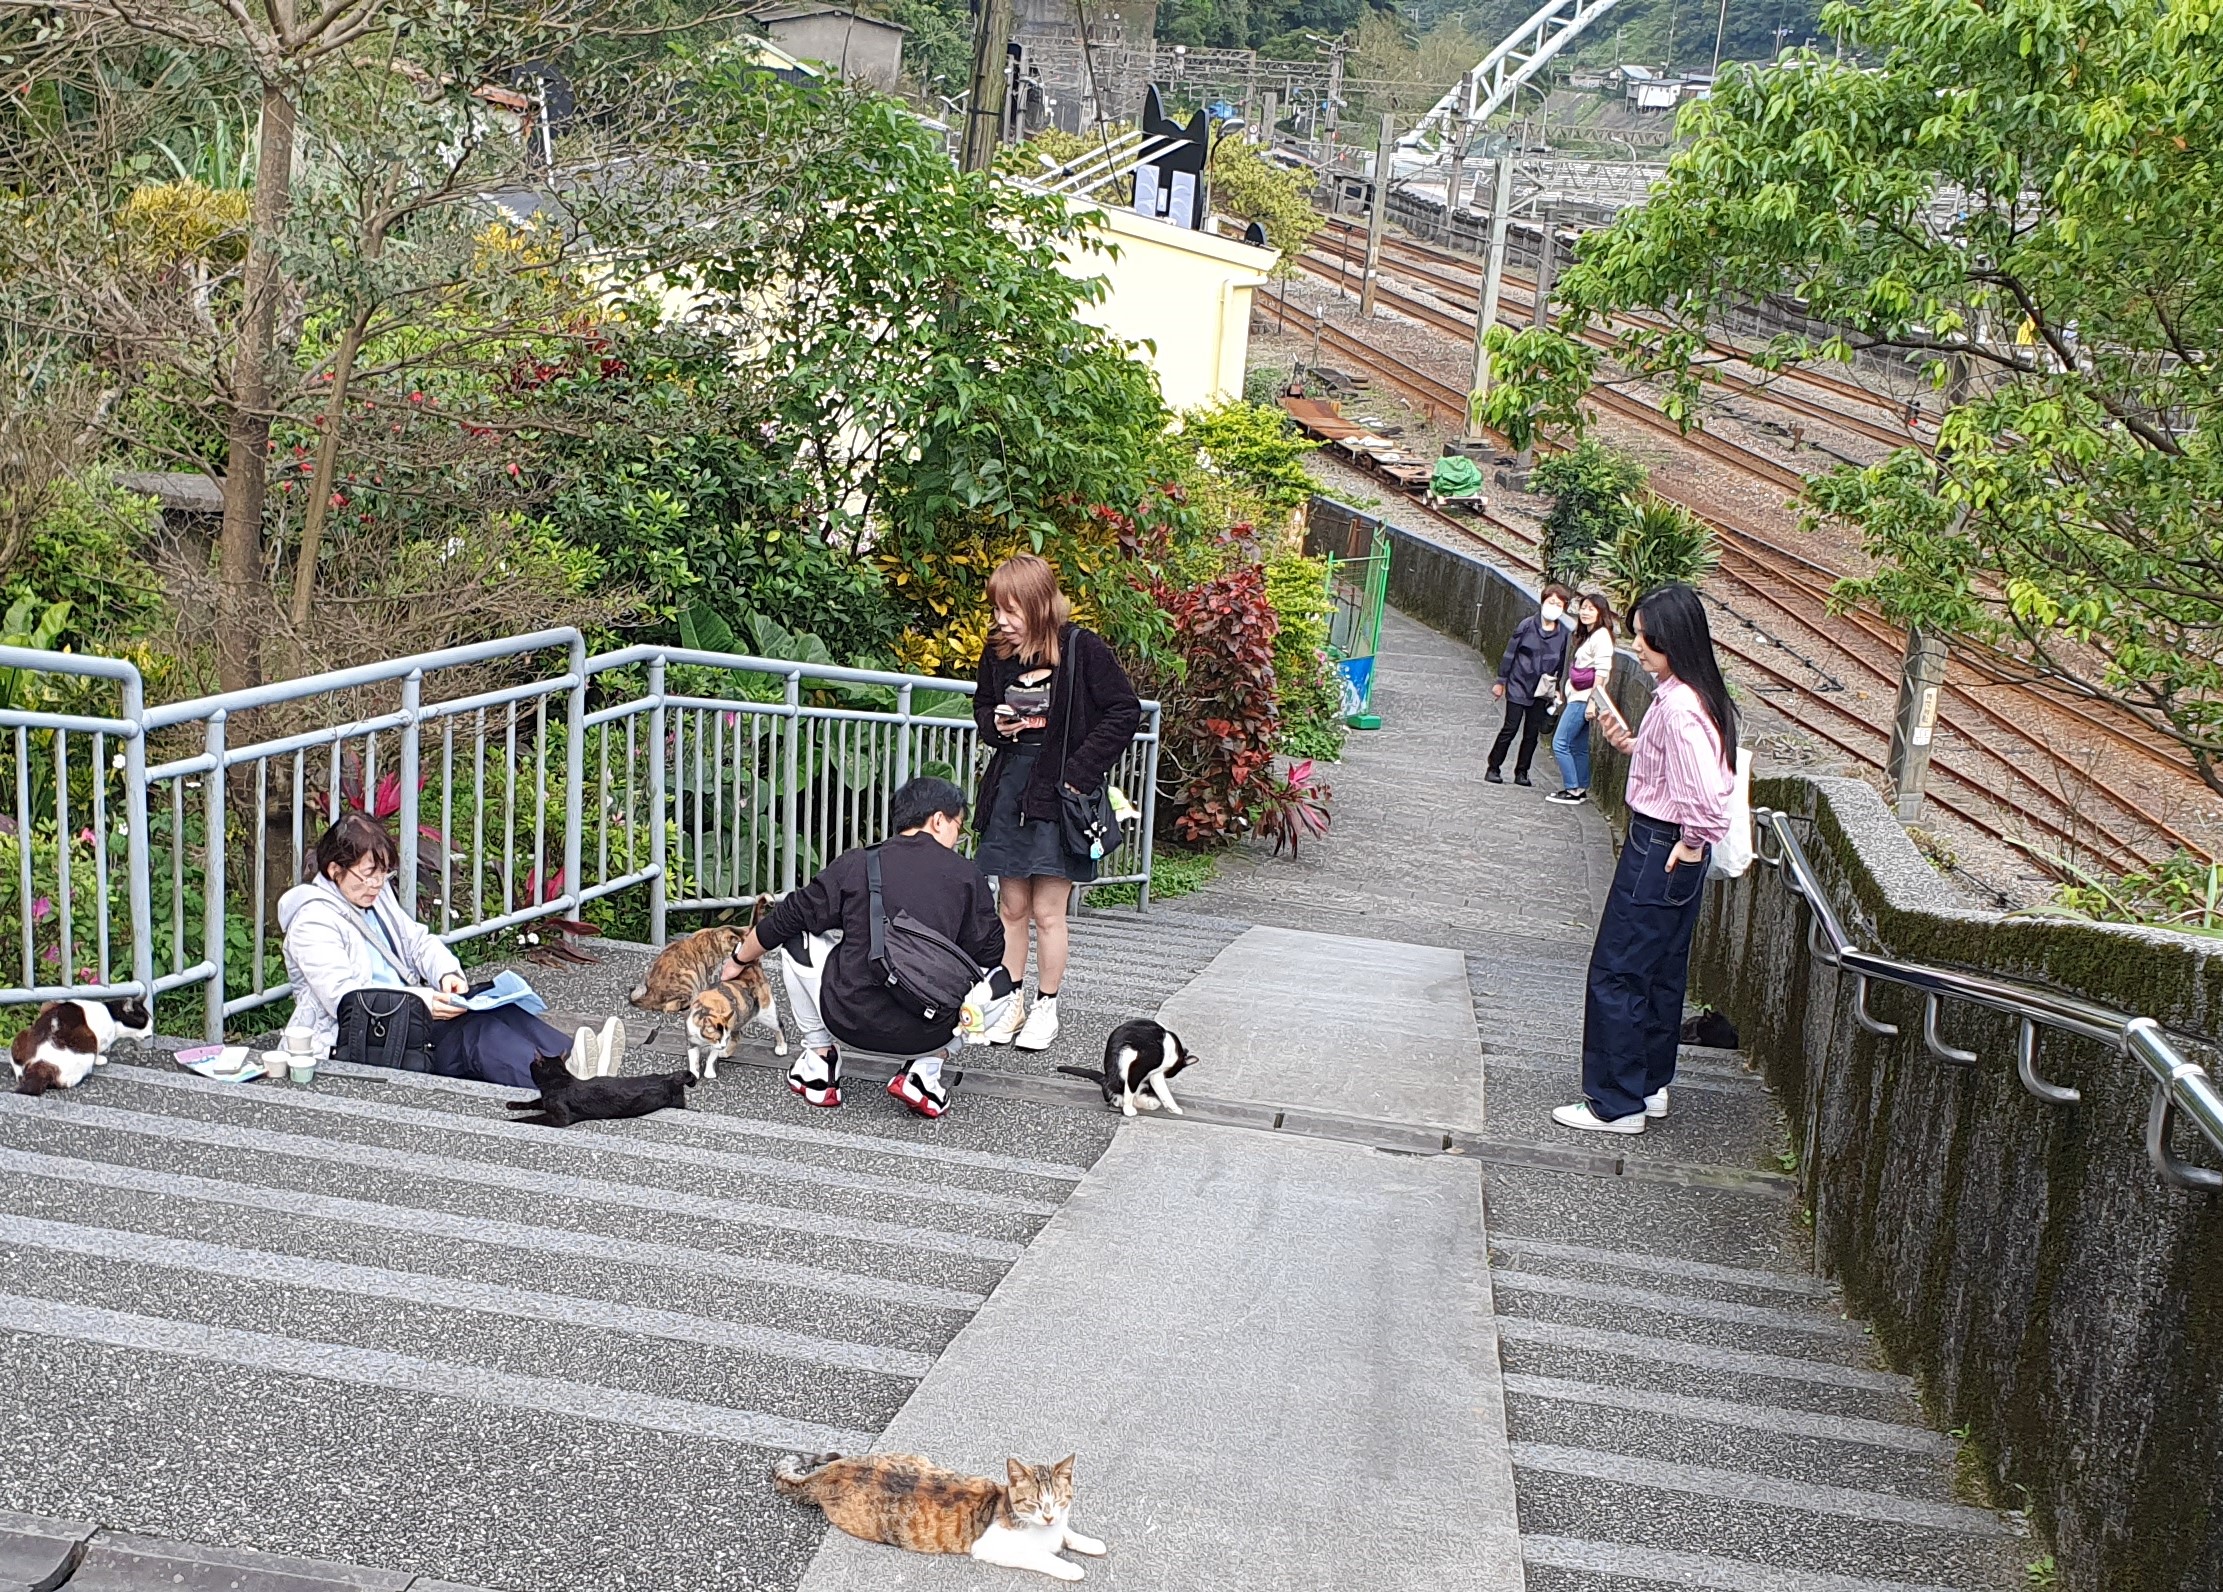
[{"x": 564, "y": 1099}]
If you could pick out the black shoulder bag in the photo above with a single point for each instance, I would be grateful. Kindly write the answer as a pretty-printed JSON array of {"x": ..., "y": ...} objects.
[
  {"x": 384, "y": 1028},
  {"x": 1088, "y": 824},
  {"x": 927, "y": 971}
]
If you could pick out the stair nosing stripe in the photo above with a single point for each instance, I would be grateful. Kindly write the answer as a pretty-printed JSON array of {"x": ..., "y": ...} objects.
[
  {"x": 1755, "y": 1417},
  {"x": 516, "y": 1178},
  {"x": 425, "y": 1221},
  {"x": 1722, "y": 1310},
  {"x": 1665, "y": 1265},
  {"x": 667, "y": 1151},
  {"x": 269, "y": 1353},
  {"x": 1699, "y": 1569},
  {"x": 454, "y": 1293},
  {"x": 1754, "y": 1488},
  {"x": 1705, "y": 1356}
]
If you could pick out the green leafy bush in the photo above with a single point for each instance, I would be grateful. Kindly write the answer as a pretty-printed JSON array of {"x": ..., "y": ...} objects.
[
  {"x": 1306, "y": 685},
  {"x": 1590, "y": 486},
  {"x": 1222, "y": 723},
  {"x": 1174, "y": 872},
  {"x": 1659, "y": 542}
]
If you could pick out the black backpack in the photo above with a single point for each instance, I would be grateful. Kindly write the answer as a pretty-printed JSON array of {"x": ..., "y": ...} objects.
[
  {"x": 384, "y": 1028},
  {"x": 925, "y": 970}
]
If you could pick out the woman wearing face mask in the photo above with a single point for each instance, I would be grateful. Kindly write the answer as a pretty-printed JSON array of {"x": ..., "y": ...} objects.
[
  {"x": 1681, "y": 773},
  {"x": 1589, "y": 667},
  {"x": 1533, "y": 656},
  {"x": 1059, "y": 711}
]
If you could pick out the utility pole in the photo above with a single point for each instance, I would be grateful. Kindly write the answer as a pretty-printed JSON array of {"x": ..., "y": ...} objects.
[
  {"x": 1458, "y": 151},
  {"x": 1921, "y": 678},
  {"x": 1375, "y": 215},
  {"x": 1721, "y": 26},
  {"x": 1493, "y": 282},
  {"x": 1547, "y": 268},
  {"x": 1335, "y": 98},
  {"x": 1272, "y": 119},
  {"x": 984, "y": 104}
]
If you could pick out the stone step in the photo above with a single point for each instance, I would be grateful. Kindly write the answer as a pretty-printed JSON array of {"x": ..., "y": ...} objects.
[
  {"x": 1576, "y": 1564},
  {"x": 1748, "y": 1284},
  {"x": 1736, "y": 1128},
  {"x": 1783, "y": 1525},
  {"x": 1646, "y": 1313}
]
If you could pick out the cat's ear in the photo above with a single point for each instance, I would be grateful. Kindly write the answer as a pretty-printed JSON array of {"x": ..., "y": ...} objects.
[
  {"x": 1021, "y": 1475},
  {"x": 1062, "y": 1471}
]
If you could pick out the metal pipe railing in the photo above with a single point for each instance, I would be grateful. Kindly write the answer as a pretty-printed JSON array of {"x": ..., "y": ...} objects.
[
  {"x": 705, "y": 788},
  {"x": 2181, "y": 1087}
]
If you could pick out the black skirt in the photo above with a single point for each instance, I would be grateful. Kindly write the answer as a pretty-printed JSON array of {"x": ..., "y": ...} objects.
[{"x": 1014, "y": 846}]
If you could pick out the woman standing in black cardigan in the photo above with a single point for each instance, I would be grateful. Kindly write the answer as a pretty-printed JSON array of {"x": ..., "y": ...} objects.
[{"x": 1059, "y": 711}]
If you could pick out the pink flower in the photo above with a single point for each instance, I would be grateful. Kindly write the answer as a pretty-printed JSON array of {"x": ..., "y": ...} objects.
[
  {"x": 50, "y": 954},
  {"x": 41, "y": 908}
]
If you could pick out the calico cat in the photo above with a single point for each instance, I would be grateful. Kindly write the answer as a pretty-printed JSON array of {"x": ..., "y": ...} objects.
[
  {"x": 684, "y": 977},
  {"x": 909, "y": 1502},
  {"x": 718, "y": 1014},
  {"x": 68, "y": 1039},
  {"x": 564, "y": 1099},
  {"x": 1140, "y": 1056}
]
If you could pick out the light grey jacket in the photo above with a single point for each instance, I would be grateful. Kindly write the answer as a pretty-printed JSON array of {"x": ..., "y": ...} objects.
[{"x": 329, "y": 953}]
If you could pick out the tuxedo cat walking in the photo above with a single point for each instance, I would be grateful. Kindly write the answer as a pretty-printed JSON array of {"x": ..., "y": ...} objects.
[{"x": 1141, "y": 1059}]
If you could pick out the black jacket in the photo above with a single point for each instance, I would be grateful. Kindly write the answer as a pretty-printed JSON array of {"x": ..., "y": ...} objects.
[
  {"x": 1090, "y": 684},
  {"x": 1530, "y": 656},
  {"x": 918, "y": 875}
]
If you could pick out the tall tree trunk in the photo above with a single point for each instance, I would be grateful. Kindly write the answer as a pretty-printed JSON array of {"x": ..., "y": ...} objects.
[
  {"x": 327, "y": 468},
  {"x": 247, "y": 430}
]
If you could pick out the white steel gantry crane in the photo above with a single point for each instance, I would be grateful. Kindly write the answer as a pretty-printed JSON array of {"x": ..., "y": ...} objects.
[{"x": 1490, "y": 86}]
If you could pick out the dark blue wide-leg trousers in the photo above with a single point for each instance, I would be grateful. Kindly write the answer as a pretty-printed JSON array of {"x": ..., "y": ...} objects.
[
  {"x": 499, "y": 1046},
  {"x": 1632, "y": 1012}
]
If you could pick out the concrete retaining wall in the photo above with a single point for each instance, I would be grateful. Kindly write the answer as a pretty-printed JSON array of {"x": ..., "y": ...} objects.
[{"x": 2022, "y": 1260}]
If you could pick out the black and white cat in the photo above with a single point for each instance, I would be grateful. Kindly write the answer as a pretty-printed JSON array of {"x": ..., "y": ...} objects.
[
  {"x": 68, "y": 1039},
  {"x": 1139, "y": 1059}
]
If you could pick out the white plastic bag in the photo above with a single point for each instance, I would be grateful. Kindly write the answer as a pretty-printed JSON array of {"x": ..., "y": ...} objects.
[{"x": 1734, "y": 855}]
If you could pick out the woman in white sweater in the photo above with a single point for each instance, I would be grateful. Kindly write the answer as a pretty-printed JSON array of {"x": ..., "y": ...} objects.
[
  {"x": 345, "y": 932},
  {"x": 1589, "y": 667}
]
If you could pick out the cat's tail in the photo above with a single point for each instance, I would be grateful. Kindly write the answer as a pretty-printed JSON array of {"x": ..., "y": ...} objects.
[
  {"x": 39, "y": 1077},
  {"x": 1082, "y": 1072},
  {"x": 793, "y": 1473}
]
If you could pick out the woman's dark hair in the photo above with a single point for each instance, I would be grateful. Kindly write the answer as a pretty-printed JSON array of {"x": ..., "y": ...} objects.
[
  {"x": 917, "y": 800},
  {"x": 1556, "y": 590},
  {"x": 354, "y": 837},
  {"x": 1607, "y": 619},
  {"x": 1674, "y": 622}
]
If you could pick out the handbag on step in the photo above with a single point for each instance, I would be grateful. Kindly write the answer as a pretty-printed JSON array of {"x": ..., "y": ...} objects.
[{"x": 382, "y": 1027}]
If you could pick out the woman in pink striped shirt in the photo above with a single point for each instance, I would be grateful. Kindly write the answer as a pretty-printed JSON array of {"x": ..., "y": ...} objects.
[{"x": 1681, "y": 773}]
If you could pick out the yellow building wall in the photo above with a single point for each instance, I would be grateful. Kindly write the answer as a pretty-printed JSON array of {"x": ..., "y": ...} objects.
[{"x": 1185, "y": 295}]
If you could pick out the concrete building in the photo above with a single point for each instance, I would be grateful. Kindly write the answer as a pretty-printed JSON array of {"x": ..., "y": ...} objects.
[
  {"x": 1186, "y": 295},
  {"x": 861, "y": 49}
]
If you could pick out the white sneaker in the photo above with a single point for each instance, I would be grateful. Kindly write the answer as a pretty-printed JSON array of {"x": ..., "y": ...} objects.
[
  {"x": 1655, "y": 1105},
  {"x": 1041, "y": 1025},
  {"x": 611, "y": 1054},
  {"x": 1579, "y": 1115},
  {"x": 586, "y": 1055},
  {"x": 1007, "y": 1030}
]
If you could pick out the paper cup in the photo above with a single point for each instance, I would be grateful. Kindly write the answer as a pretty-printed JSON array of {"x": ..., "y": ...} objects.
[{"x": 303, "y": 1069}]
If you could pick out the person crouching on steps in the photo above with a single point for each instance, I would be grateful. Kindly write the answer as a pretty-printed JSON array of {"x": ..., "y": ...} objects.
[
  {"x": 1681, "y": 776},
  {"x": 1059, "y": 710},
  {"x": 1532, "y": 657},
  {"x": 831, "y": 987}
]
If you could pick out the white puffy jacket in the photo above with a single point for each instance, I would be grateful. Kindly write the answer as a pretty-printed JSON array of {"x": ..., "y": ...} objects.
[{"x": 329, "y": 953}]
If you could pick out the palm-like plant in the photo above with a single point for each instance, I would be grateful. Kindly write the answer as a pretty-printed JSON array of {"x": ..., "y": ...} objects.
[{"x": 1660, "y": 542}]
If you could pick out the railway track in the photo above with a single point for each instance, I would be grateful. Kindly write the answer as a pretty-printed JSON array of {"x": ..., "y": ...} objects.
[
  {"x": 1767, "y": 574},
  {"x": 1455, "y": 274}
]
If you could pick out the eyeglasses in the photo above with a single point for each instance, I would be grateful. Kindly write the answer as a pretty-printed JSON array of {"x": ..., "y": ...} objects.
[{"x": 370, "y": 871}]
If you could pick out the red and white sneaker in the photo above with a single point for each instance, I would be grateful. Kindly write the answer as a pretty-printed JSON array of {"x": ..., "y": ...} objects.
[
  {"x": 928, "y": 1100},
  {"x": 817, "y": 1078}
]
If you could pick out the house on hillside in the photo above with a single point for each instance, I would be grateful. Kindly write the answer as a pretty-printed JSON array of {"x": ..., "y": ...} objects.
[{"x": 860, "y": 49}]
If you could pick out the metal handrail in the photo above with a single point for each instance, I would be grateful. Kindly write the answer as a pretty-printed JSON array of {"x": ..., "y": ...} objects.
[{"x": 2181, "y": 1086}]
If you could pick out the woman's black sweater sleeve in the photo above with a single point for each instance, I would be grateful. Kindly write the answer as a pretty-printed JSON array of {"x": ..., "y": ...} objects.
[
  {"x": 986, "y": 698},
  {"x": 1096, "y": 670}
]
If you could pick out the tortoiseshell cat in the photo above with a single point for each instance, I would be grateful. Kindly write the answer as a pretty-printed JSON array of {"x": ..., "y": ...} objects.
[
  {"x": 909, "y": 1502},
  {"x": 684, "y": 977}
]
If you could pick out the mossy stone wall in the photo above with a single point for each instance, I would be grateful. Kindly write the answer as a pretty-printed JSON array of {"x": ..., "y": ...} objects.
[{"x": 2022, "y": 1260}]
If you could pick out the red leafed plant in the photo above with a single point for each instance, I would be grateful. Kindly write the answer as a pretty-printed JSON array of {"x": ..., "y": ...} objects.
[
  {"x": 1294, "y": 807},
  {"x": 1222, "y": 720}
]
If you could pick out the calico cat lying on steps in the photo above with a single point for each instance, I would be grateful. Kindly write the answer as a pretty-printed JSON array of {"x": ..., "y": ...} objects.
[{"x": 909, "y": 1502}]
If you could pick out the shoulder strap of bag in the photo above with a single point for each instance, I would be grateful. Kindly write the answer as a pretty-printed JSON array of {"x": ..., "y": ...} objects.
[
  {"x": 876, "y": 915},
  {"x": 1071, "y": 662}
]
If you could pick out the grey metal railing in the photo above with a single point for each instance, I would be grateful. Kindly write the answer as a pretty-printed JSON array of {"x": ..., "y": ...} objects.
[
  {"x": 527, "y": 779},
  {"x": 2181, "y": 1086}
]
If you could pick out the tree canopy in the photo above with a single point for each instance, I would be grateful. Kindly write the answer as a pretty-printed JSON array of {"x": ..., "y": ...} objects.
[{"x": 2020, "y": 200}]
